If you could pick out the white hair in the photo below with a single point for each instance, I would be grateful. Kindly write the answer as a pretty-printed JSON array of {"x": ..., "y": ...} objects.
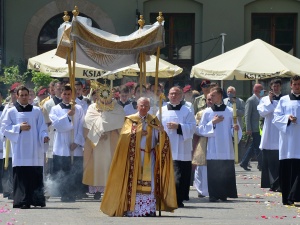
[
  {"x": 143, "y": 99},
  {"x": 230, "y": 87}
]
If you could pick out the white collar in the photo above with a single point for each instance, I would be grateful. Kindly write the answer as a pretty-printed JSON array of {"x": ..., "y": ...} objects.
[{"x": 22, "y": 105}]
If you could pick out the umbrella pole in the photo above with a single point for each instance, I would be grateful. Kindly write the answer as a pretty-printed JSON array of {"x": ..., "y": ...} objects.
[
  {"x": 144, "y": 68},
  {"x": 235, "y": 132}
]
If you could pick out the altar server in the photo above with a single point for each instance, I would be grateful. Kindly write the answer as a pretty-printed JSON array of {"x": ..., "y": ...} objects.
[
  {"x": 285, "y": 119},
  {"x": 24, "y": 126},
  {"x": 68, "y": 137},
  {"x": 269, "y": 143},
  {"x": 217, "y": 124},
  {"x": 180, "y": 124}
]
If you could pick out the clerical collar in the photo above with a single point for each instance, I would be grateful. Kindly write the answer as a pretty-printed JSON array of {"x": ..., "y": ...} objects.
[
  {"x": 294, "y": 97},
  {"x": 65, "y": 105},
  {"x": 57, "y": 100},
  {"x": 174, "y": 107},
  {"x": 277, "y": 97},
  {"x": 80, "y": 97},
  {"x": 23, "y": 108},
  {"x": 220, "y": 107}
]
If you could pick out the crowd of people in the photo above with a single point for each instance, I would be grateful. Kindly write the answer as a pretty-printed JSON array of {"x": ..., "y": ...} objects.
[{"x": 140, "y": 152}]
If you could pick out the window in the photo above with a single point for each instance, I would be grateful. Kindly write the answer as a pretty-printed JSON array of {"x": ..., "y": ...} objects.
[
  {"x": 48, "y": 34},
  {"x": 179, "y": 39},
  {"x": 276, "y": 29}
]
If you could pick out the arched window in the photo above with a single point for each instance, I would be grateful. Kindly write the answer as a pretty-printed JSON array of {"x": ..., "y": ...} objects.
[{"x": 48, "y": 34}]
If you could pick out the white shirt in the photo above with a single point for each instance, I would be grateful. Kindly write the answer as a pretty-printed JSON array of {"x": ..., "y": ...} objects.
[
  {"x": 181, "y": 145},
  {"x": 64, "y": 127},
  {"x": 27, "y": 147},
  {"x": 270, "y": 134},
  {"x": 219, "y": 143},
  {"x": 289, "y": 140}
]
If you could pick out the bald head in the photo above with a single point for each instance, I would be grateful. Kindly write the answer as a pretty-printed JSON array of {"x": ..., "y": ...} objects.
[{"x": 257, "y": 88}]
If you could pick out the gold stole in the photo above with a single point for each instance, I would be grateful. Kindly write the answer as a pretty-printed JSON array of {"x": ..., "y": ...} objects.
[{"x": 144, "y": 173}]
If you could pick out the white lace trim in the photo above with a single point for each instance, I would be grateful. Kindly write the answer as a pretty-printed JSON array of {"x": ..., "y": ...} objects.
[{"x": 144, "y": 204}]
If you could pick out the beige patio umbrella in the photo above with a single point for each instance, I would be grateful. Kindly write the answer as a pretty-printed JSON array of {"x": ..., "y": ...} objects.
[
  {"x": 56, "y": 66},
  {"x": 166, "y": 70},
  {"x": 254, "y": 60}
]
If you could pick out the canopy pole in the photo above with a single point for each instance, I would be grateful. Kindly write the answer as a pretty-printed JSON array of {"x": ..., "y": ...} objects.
[
  {"x": 72, "y": 83},
  {"x": 160, "y": 19},
  {"x": 141, "y": 22}
]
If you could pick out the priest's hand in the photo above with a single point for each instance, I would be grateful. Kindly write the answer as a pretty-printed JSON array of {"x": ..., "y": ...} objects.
[
  {"x": 236, "y": 127},
  {"x": 25, "y": 126},
  {"x": 293, "y": 119},
  {"x": 172, "y": 125},
  {"x": 160, "y": 128},
  {"x": 71, "y": 112},
  {"x": 46, "y": 139},
  {"x": 73, "y": 146},
  {"x": 217, "y": 119},
  {"x": 144, "y": 132},
  {"x": 249, "y": 132}
]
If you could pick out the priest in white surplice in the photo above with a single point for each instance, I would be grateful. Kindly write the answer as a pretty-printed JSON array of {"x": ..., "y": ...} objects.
[
  {"x": 24, "y": 126},
  {"x": 217, "y": 124},
  {"x": 269, "y": 143},
  {"x": 180, "y": 124},
  {"x": 286, "y": 120},
  {"x": 68, "y": 136},
  {"x": 102, "y": 125}
]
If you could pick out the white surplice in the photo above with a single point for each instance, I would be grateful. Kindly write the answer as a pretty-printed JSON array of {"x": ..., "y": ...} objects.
[
  {"x": 27, "y": 147},
  {"x": 181, "y": 145},
  {"x": 270, "y": 134},
  {"x": 219, "y": 144},
  {"x": 83, "y": 103},
  {"x": 64, "y": 127},
  {"x": 289, "y": 140}
]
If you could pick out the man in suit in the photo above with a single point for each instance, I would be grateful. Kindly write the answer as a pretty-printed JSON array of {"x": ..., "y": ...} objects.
[
  {"x": 240, "y": 104},
  {"x": 252, "y": 126}
]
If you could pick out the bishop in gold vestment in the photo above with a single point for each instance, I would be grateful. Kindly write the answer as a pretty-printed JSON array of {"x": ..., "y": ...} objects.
[{"x": 141, "y": 176}]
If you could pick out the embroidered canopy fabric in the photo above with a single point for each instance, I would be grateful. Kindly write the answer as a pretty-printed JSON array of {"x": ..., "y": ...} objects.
[{"x": 103, "y": 50}]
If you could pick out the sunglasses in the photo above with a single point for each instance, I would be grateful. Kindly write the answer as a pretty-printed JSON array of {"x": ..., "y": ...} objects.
[{"x": 205, "y": 86}]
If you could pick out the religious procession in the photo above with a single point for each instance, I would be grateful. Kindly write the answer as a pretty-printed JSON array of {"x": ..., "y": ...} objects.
[{"x": 140, "y": 147}]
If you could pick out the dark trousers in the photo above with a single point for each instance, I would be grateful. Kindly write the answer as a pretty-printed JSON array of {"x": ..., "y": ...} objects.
[
  {"x": 289, "y": 180},
  {"x": 62, "y": 175},
  {"x": 7, "y": 179},
  {"x": 1, "y": 172},
  {"x": 77, "y": 173},
  {"x": 28, "y": 186},
  {"x": 182, "y": 171},
  {"x": 253, "y": 149},
  {"x": 270, "y": 169}
]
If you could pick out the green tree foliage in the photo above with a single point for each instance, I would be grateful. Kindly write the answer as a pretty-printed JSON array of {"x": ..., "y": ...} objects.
[
  {"x": 12, "y": 74},
  {"x": 40, "y": 79}
]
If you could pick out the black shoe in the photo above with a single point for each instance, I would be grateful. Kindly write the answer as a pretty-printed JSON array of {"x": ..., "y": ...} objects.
[
  {"x": 180, "y": 205},
  {"x": 151, "y": 214},
  {"x": 25, "y": 207},
  {"x": 259, "y": 167},
  {"x": 97, "y": 195},
  {"x": 67, "y": 199},
  {"x": 201, "y": 196},
  {"x": 213, "y": 199},
  {"x": 223, "y": 199},
  {"x": 245, "y": 167},
  {"x": 288, "y": 203}
]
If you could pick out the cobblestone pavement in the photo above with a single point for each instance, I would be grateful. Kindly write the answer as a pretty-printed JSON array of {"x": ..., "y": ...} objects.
[{"x": 254, "y": 206}]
